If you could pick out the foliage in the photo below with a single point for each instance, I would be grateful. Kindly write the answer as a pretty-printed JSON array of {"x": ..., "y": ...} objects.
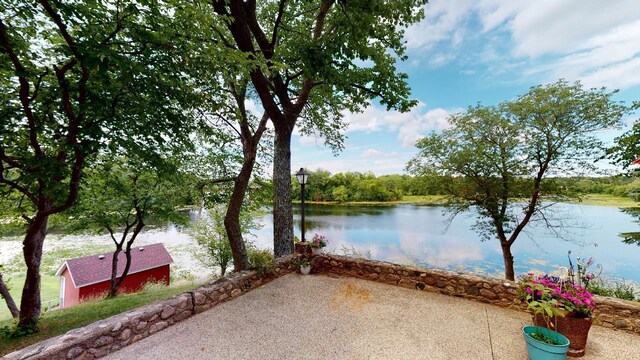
[
  {"x": 74, "y": 76},
  {"x": 303, "y": 260},
  {"x": 626, "y": 147},
  {"x": 355, "y": 187},
  {"x": 551, "y": 291},
  {"x": 631, "y": 237},
  {"x": 261, "y": 261},
  {"x": 318, "y": 241},
  {"x": 618, "y": 289},
  {"x": 211, "y": 235},
  {"x": 117, "y": 190},
  {"x": 497, "y": 160},
  {"x": 353, "y": 252}
]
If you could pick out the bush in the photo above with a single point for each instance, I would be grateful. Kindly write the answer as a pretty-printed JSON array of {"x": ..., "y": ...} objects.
[
  {"x": 621, "y": 290},
  {"x": 261, "y": 261}
]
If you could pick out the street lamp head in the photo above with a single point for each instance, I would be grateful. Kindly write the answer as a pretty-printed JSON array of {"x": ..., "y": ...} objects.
[{"x": 302, "y": 176}]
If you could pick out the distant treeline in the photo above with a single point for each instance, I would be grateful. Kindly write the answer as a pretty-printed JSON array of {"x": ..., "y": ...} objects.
[{"x": 356, "y": 186}]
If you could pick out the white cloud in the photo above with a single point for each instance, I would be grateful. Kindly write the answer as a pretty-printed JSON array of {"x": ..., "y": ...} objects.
[
  {"x": 311, "y": 140},
  {"x": 442, "y": 22},
  {"x": 410, "y": 125},
  {"x": 377, "y": 154},
  {"x": 587, "y": 40}
]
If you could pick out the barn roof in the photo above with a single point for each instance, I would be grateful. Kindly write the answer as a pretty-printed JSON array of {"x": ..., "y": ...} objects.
[{"x": 93, "y": 269}]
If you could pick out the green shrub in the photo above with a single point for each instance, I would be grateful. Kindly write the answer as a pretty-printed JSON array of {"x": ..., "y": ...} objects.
[
  {"x": 261, "y": 261},
  {"x": 598, "y": 287},
  {"x": 621, "y": 290},
  {"x": 624, "y": 291}
]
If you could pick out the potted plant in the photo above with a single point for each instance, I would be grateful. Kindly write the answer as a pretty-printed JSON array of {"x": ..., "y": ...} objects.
[
  {"x": 317, "y": 243},
  {"x": 574, "y": 302},
  {"x": 303, "y": 262},
  {"x": 542, "y": 342}
]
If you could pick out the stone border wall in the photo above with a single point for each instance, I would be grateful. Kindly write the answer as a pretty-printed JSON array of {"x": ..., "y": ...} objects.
[
  {"x": 610, "y": 312},
  {"x": 106, "y": 336}
]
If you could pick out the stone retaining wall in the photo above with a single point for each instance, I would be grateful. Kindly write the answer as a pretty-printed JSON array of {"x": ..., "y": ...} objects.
[
  {"x": 105, "y": 336},
  {"x": 612, "y": 313}
]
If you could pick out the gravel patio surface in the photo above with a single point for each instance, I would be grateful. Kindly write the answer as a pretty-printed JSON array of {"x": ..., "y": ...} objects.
[{"x": 320, "y": 317}]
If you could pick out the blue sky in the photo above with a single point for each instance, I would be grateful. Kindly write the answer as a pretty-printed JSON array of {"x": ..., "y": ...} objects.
[{"x": 487, "y": 51}]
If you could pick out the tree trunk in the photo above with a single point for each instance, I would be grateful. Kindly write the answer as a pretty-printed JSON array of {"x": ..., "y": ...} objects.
[
  {"x": 30, "y": 304},
  {"x": 508, "y": 262},
  {"x": 113, "y": 289},
  {"x": 4, "y": 292},
  {"x": 116, "y": 282},
  {"x": 232, "y": 217},
  {"x": 282, "y": 207}
]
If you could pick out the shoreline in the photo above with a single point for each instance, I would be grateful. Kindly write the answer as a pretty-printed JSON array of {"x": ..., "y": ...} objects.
[{"x": 440, "y": 200}]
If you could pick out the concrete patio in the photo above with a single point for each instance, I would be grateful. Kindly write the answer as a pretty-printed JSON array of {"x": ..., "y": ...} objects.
[{"x": 320, "y": 317}]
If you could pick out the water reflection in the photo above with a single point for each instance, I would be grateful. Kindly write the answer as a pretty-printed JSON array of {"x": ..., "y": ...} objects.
[{"x": 418, "y": 235}]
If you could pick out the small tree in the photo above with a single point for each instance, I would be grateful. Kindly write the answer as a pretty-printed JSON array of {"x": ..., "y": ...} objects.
[
  {"x": 495, "y": 159},
  {"x": 211, "y": 235},
  {"x": 118, "y": 197}
]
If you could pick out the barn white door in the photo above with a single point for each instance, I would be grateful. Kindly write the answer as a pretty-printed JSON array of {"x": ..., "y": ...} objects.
[{"x": 62, "y": 285}]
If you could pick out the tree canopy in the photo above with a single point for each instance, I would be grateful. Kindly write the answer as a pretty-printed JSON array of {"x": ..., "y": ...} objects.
[{"x": 77, "y": 78}]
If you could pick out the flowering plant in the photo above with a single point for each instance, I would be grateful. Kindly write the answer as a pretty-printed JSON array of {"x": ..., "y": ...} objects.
[
  {"x": 318, "y": 241},
  {"x": 560, "y": 294},
  {"x": 303, "y": 260}
]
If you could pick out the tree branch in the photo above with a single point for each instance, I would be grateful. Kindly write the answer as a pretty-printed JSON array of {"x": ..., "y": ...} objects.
[{"x": 25, "y": 98}]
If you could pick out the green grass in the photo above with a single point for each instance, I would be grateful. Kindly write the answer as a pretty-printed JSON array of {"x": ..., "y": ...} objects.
[
  {"x": 50, "y": 290},
  {"x": 59, "y": 322},
  {"x": 608, "y": 200}
]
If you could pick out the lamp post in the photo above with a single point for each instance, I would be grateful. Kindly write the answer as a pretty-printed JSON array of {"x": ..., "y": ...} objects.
[{"x": 302, "y": 177}]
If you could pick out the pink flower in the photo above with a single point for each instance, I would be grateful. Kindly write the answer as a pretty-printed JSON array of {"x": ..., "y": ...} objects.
[
  {"x": 539, "y": 293},
  {"x": 529, "y": 291}
]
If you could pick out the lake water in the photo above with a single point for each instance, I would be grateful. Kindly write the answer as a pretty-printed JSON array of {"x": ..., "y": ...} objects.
[
  {"x": 410, "y": 234},
  {"x": 404, "y": 234}
]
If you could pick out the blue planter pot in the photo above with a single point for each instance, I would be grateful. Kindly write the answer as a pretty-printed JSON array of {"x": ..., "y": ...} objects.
[{"x": 542, "y": 351}]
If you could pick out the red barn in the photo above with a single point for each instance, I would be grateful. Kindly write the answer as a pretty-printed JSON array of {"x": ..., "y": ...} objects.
[{"x": 90, "y": 276}]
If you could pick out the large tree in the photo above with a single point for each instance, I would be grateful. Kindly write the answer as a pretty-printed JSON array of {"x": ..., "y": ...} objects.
[
  {"x": 76, "y": 77},
  {"x": 312, "y": 60},
  {"x": 495, "y": 159}
]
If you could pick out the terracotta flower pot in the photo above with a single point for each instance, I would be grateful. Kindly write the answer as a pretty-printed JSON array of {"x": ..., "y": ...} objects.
[{"x": 574, "y": 328}]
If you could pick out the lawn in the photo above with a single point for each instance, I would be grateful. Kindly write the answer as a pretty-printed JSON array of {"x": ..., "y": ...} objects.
[
  {"x": 50, "y": 291},
  {"x": 608, "y": 200},
  {"x": 59, "y": 322}
]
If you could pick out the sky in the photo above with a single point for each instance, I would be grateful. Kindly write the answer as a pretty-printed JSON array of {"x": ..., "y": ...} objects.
[{"x": 487, "y": 51}]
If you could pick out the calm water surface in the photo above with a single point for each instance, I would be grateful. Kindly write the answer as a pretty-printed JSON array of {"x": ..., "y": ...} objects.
[{"x": 419, "y": 235}]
